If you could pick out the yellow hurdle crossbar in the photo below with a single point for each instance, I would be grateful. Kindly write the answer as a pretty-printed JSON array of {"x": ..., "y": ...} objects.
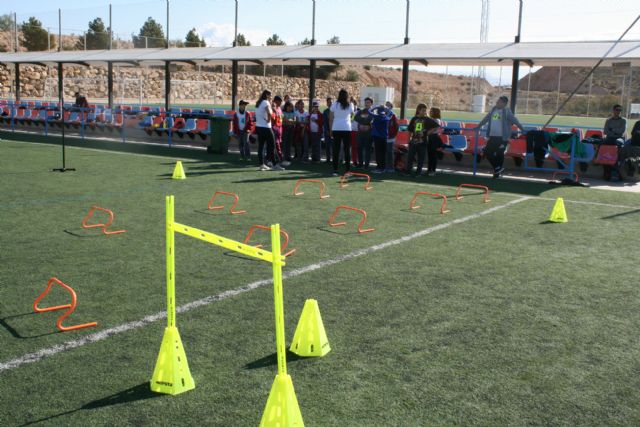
[{"x": 224, "y": 242}]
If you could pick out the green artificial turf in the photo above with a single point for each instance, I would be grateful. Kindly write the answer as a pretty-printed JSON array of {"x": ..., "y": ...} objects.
[{"x": 497, "y": 319}]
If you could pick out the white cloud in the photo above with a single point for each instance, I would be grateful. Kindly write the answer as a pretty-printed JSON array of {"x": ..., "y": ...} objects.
[{"x": 222, "y": 34}]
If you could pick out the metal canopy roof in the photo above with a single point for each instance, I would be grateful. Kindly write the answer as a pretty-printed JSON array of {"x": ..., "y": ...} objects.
[{"x": 486, "y": 54}]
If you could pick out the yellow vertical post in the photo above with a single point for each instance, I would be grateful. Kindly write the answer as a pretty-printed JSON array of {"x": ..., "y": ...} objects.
[
  {"x": 282, "y": 408},
  {"x": 171, "y": 374},
  {"x": 278, "y": 299},
  {"x": 171, "y": 263}
]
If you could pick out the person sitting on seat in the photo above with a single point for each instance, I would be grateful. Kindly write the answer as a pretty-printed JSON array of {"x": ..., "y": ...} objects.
[
  {"x": 81, "y": 103},
  {"x": 630, "y": 153},
  {"x": 615, "y": 127}
]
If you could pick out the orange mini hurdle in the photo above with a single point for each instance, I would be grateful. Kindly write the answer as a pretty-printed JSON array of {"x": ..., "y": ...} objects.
[
  {"x": 443, "y": 207},
  {"x": 104, "y": 226},
  {"x": 482, "y": 187},
  {"x": 283, "y": 233},
  {"x": 343, "y": 180},
  {"x": 231, "y": 210},
  {"x": 71, "y": 307},
  {"x": 323, "y": 187},
  {"x": 553, "y": 177},
  {"x": 339, "y": 224}
]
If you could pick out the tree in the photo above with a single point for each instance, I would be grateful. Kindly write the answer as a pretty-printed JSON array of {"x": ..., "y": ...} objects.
[
  {"x": 241, "y": 40},
  {"x": 193, "y": 39},
  {"x": 6, "y": 22},
  {"x": 334, "y": 40},
  {"x": 275, "y": 40},
  {"x": 34, "y": 36},
  {"x": 150, "y": 35},
  {"x": 305, "y": 42},
  {"x": 97, "y": 36}
]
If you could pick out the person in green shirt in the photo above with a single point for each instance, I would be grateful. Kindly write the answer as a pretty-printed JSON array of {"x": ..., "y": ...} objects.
[{"x": 420, "y": 127}]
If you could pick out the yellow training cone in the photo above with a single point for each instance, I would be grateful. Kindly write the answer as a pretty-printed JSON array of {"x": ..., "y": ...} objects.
[
  {"x": 282, "y": 408},
  {"x": 178, "y": 172},
  {"x": 558, "y": 214},
  {"x": 310, "y": 339},
  {"x": 171, "y": 374}
]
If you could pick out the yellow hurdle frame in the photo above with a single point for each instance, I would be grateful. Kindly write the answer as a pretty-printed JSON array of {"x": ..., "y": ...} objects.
[{"x": 274, "y": 257}]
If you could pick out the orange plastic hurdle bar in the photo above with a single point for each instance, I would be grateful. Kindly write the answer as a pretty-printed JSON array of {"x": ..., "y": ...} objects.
[
  {"x": 343, "y": 180},
  {"x": 235, "y": 203},
  {"x": 283, "y": 233},
  {"x": 553, "y": 177},
  {"x": 104, "y": 226},
  {"x": 443, "y": 207},
  {"x": 71, "y": 307},
  {"x": 482, "y": 187},
  {"x": 339, "y": 224},
  {"x": 323, "y": 187}
]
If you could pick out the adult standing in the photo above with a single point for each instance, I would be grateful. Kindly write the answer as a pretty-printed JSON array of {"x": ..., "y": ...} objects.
[
  {"x": 499, "y": 121},
  {"x": 363, "y": 118},
  {"x": 328, "y": 142},
  {"x": 264, "y": 131},
  {"x": 340, "y": 125}
]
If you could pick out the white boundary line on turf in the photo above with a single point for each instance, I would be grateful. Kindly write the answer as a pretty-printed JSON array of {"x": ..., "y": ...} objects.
[
  {"x": 608, "y": 205},
  {"x": 101, "y": 150},
  {"x": 102, "y": 335}
]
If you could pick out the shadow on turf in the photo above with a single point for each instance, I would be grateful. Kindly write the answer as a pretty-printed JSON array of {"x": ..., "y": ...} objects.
[
  {"x": 17, "y": 334},
  {"x": 81, "y": 235},
  {"x": 271, "y": 360},
  {"x": 635, "y": 211},
  {"x": 133, "y": 394},
  {"x": 331, "y": 230}
]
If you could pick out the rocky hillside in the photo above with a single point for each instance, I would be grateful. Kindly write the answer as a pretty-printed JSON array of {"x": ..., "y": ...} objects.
[{"x": 604, "y": 82}]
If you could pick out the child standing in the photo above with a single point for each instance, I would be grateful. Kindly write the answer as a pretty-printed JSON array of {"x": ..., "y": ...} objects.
[
  {"x": 241, "y": 126},
  {"x": 276, "y": 126},
  {"x": 420, "y": 129},
  {"x": 315, "y": 131},
  {"x": 288, "y": 130},
  {"x": 301, "y": 142}
]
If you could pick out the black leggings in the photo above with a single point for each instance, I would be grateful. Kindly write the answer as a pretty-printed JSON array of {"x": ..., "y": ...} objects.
[
  {"x": 494, "y": 151},
  {"x": 380, "y": 147},
  {"x": 344, "y": 137},
  {"x": 265, "y": 136}
]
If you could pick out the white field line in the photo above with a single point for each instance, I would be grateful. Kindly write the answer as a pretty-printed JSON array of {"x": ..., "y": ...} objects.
[
  {"x": 608, "y": 205},
  {"x": 100, "y": 150},
  {"x": 102, "y": 335}
]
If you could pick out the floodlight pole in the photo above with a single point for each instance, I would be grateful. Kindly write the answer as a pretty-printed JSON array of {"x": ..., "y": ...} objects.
[
  {"x": 167, "y": 24},
  {"x": 516, "y": 65},
  {"x": 312, "y": 62},
  {"x": 234, "y": 64},
  {"x": 110, "y": 29},
  {"x": 405, "y": 71}
]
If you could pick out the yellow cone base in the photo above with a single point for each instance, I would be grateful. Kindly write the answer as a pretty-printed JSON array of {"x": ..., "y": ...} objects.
[
  {"x": 558, "y": 214},
  {"x": 171, "y": 374},
  {"x": 310, "y": 338},
  {"x": 178, "y": 171},
  {"x": 282, "y": 408}
]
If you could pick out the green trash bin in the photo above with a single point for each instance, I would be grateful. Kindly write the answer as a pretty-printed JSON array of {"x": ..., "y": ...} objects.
[{"x": 220, "y": 126}]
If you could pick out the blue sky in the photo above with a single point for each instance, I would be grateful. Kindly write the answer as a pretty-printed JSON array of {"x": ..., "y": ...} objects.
[{"x": 354, "y": 21}]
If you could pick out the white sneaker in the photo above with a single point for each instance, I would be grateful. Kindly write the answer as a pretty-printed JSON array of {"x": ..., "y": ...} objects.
[
  {"x": 277, "y": 168},
  {"x": 270, "y": 164},
  {"x": 264, "y": 168},
  {"x": 285, "y": 163}
]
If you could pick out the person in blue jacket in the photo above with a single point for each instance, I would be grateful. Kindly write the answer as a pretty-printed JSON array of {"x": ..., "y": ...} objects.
[{"x": 380, "y": 132}]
